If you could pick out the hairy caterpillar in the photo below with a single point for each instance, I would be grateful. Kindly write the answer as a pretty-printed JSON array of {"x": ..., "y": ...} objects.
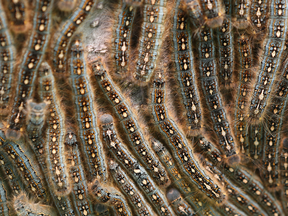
[
  {"x": 242, "y": 177},
  {"x": 276, "y": 111},
  {"x": 23, "y": 160},
  {"x": 270, "y": 59},
  {"x": 136, "y": 170},
  {"x": 5, "y": 210},
  {"x": 243, "y": 93},
  {"x": 123, "y": 38},
  {"x": 86, "y": 116},
  {"x": 151, "y": 38},
  {"x": 129, "y": 123},
  {"x": 179, "y": 145},
  {"x": 209, "y": 83},
  {"x": 242, "y": 16},
  {"x": 7, "y": 64},
  {"x": 55, "y": 134},
  {"x": 68, "y": 29},
  {"x": 31, "y": 61},
  {"x": 185, "y": 69},
  {"x": 80, "y": 193},
  {"x": 226, "y": 49},
  {"x": 129, "y": 189},
  {"x": 180, "y": 206}
]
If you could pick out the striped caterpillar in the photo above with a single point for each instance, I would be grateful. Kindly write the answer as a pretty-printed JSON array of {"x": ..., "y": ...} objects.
[
  {"x": 151, "y": 38},
  {"x": 259, "y": 14},
  {"x": 32, "y": 57},
  {"x": 5, "y": 210},
  {"x": 129, "y": 189},
  {"x": 276, "y": 111},
  {"x": 35, "y": 121},
  {"x": 123, "y": 38},
  {"x": 129, "y": 123},
  {"x": 21, "y": 157},
  {"x": 283, "y": 161},
  {"x": 241, "y": 17},
  {"x": 77, "y": 175},
  {"x": 225, "y": 44},
  {"x": 243, "y": 93},
  {"x": 242, "y": 177},
  {"x": 55, "y": 134},
  {"x": 209, "y": 83},
  {"x": 86, "y": 116},
  {"x": 17, "y": 15},
  {"x": 68, "y": 29},
  {"x": 236, "y": 195},
  {"x": 7, "y": 64},
  {"x": 185, "y": 71},
  {"x": 179, "y": 145},
  {"x": 133, "y": 167},
  {"x": 270, "y": 59},
  {"x": 213, "y": 12},
  {"x": 196, "y": 201}
]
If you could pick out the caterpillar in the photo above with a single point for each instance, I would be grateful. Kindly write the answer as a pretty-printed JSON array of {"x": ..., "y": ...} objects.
[
  {"x": 77, "y": 175},
  {"x": 236, "y": 195},
  {"x": 63, "y": 203},
  {"x": 7, "y": 50},
  {"x": 55, "y": 134},
  {"x": 195, "y": 12},
  {"x": 225, "y": 43},
  {"x": 151, "y": 38},
  {"x": 110, "y": 196},
  {"x": 25, "y": 207},
  {"x": 178, "y": 143},
  {"x": 17, "y": 14},
  {"x": 11, "y": 173},
  {"x": 196, "y": 201},
  {"x": 129, "y": 123},
  {"x": 283, "y": 159},
  {"x": 129, "y": 189},
  {"x": 185, "y": 70},
  {"x": 209, "y": 81},
  {"x": 242, "y": 16},
  {"x": 123, "y": 38},
  {"x": 5, "y": 210},
  {"x": 243, "y": 93},
  {"x": 256, "y": 141},
  {"x": 68, "y": 29},
  {"x": 86, "y": 116},
  {"x": 213, "y": 12},
  {"x": 259, "y": 14},
  {"x": 242, "y": 177},
  {"x": 31, "y": 61},
  {"x": 275, "y": 111},
  {"x": 134, "y": 168},
  {"x": 21, "y": 157},
  {"x": 270, "y": 59}
]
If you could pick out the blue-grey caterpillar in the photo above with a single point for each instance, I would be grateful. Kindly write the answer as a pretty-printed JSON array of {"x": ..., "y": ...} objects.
[
  {"x": 85, "y": 112},
  {"x": 129, "y": 123}
]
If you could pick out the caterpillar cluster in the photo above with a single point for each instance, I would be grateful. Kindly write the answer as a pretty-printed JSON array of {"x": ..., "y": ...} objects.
[{"x": 143, "y": 107}]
